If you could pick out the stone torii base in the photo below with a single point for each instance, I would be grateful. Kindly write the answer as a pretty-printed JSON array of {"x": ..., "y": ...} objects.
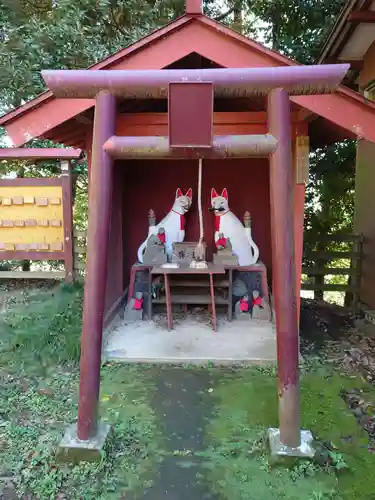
[
  {"x": 278, "y": 449},
  {"x": 74, "y": 450}
]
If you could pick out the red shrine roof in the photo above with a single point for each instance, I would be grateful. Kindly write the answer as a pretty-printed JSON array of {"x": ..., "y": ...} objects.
[{"x": 344, "y": 114}]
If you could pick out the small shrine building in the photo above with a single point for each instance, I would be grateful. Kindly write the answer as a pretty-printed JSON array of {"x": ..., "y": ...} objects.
[{"x": 266, "y": 111}]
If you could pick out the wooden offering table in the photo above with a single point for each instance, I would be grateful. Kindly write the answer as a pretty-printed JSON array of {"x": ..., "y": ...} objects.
[{"x": 193, "y": 291}]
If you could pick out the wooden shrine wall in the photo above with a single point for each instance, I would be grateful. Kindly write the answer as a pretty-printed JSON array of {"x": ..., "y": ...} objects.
[{"x": 152, "y": 184}]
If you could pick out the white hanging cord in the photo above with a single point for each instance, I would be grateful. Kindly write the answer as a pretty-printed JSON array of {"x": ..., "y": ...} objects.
[
  {"x": 199, "y": 249},
  {"x": 201, "y": 229}
]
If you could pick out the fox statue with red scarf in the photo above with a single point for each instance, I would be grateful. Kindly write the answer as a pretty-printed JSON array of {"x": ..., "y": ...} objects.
[
  {"x": 173, "y": 224},
  {"x": 227, "y": 225}
]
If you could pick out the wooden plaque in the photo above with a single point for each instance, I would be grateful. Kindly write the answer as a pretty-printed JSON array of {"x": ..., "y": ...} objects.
[{"x": 190, "y": 114}]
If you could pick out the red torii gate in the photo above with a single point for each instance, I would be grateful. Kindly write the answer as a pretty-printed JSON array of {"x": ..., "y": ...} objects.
[{"x": 276, "y": 83}]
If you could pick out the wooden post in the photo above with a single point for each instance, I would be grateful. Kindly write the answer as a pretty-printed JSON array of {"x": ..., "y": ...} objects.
[
  {"x": 67, "y": 205},
  {"x": 194, "y": 7},
  {"x": 358, "y": 248},
  {"x": 213, "y": 305},
  {"x": 96, "y": 266},
  {"x": 283, "y": 267},
  {"x": 168, "y": 301}
]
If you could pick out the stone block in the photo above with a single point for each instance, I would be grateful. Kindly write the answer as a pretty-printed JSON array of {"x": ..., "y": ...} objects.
[
  {"x": 43, "y": 223},
  {"x": 155, "y": 253},
  {"x": 225, "y": 259},
  {"x": 132, "y": 314},
  {"x": 19, "y": 223},
  {"x": 241, "y": 315},
  {"x": 43, "y": 247},
  {"x": 262, "y": 310},
  {"x": 9, "y": 246},
  {"x": 73, "y": 450},
  {"x": 184, "y": 253},
  {"x": 7, "y": 201},
  {"x": 17, "y": 200},
  {"x": 29, "y": 200},
  {"x": 278, "y": 449}
]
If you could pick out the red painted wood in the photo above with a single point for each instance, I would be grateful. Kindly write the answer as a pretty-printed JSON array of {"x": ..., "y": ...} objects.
[
  {"x": 18, "y": 255},
  {"x": 228, "y": 82},
  {"x": 230, "y": 146},
  {"x": 39, "y": 154},
  {"x": 168, "y": 301},
  {"x": 31, "y": 181},
  {"x": 362, "y": 16},
  {"x": 284, "y": 272},
  {"x": 213, "y": 305},
  {"x": 115, "y": 267},
  {"x": 194, "y": 7},
  {"x": 158, "y": 50},
  {"x": 67, "y": 205},
  {"x": 152, "y": 184},
  {"x": 225, "y": 123},
  {"x": 96, "y": 267},
  {"x": 190, "y": 114},
  {"x": 358, "y": 119}
]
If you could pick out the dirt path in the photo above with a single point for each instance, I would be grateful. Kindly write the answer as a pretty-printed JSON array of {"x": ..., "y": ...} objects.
[{"x": 183, "y": 411}]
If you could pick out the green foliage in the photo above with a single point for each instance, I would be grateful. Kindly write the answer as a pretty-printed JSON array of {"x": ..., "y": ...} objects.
[
  {"x": 324, "y": 411},
  {"x": 62, "y": 34},
  {"x": 68, "y": 35},
  {"x": 33, "y": 415},
  {"x": 45, "y": 328},
  {"x": 237, "y": 456},
  {"x": 330, "y": 190},
  {"x": 296, "y": 28}
]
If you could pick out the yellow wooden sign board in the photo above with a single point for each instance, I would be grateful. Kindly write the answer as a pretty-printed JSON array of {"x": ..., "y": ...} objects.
[{"x": 31, "y": 218}]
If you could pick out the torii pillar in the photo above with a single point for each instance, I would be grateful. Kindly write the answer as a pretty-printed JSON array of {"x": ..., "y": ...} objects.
[{"x": 288, "y": 439}]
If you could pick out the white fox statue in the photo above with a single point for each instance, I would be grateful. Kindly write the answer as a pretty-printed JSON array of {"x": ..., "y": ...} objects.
[
  {"x": 231, "y": 227},
  {"x": 173, "y": 224}
]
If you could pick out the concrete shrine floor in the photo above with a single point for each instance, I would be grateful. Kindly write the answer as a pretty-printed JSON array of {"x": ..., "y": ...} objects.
[{"x": 192, "y": 340}]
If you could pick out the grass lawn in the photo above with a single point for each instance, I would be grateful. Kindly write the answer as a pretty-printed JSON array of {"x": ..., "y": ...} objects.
[{"x": 39, "y": 344}]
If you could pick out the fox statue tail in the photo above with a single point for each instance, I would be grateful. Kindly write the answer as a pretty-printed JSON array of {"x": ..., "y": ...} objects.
[
  {"x": 253, "y": 247},
  {"x": 141, "y": 250}
]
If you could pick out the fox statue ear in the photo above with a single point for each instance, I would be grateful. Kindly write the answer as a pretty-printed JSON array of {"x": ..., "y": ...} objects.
[
  {"x": 213, "y": 193},
  {"x": 189, "y": 193},
  {"x": 178, "y": 193},
  {"x": 224, "y": 194}
]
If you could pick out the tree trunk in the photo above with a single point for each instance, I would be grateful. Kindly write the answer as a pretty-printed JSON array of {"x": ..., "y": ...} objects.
[
  {"x": 237, "y": 16},
  {"x": 276, "y": 23}
]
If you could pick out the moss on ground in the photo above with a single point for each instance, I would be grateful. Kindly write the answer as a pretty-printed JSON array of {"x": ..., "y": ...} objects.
[
  {"x": 39, "y": 349},
  {"x": 246, "y": 405},
  {"x": 38, "y": 399},
  {"x": 325, "y": 412},
  {"x": 33, "y": 415}
]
